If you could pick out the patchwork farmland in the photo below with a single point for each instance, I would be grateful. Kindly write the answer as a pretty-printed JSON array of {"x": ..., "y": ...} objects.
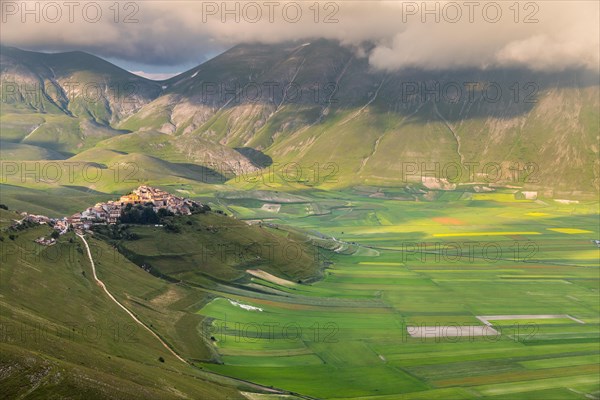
[{"x": 470, "y": 298}]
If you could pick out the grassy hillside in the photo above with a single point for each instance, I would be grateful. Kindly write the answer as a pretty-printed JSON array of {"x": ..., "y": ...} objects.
[
  {"x": 186, "y": 148},
  {"x": 19, "y": 151},
  {"x": 63, "y": 337},
  {"x": 209, "y": 248},
  {"x": 59, "y": 201}
]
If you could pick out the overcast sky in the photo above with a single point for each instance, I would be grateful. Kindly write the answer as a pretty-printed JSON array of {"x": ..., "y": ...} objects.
[{"x": 160, "y": 37}]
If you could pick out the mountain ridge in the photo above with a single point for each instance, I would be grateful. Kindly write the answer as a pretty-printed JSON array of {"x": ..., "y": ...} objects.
[{"x": 320, "y": 103}]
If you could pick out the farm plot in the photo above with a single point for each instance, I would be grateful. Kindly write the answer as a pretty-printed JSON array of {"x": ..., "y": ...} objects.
[{"x": 521, "y": 323}]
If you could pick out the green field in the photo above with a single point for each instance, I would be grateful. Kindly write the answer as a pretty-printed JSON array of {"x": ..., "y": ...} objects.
[{"x": 436, "y": 264}]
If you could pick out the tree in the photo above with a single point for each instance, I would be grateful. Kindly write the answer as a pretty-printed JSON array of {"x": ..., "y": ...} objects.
[
  {"x": 163, "y": 212},
  {"x": 139, "y": 215},
  {"x": 54, "y": 235},
  {"x": 148, "y": 216},
  {"x": 162, "y": 360},
  {"x": 200, "y": 208},
  {"x": 171, "y": 227}
]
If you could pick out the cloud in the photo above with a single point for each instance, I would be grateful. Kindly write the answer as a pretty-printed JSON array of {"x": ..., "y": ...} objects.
[
  {"x": 559, "y": 36},
  {"x": 543, "y": 35}
]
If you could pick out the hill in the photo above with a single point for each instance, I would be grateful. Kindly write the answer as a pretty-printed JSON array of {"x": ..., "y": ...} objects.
[
  {"x": 205, "y": 249},
  {"x": 65, "y": 336},
  {"x": 73, "y": 83}
]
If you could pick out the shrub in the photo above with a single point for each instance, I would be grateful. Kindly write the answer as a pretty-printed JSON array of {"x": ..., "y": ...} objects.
[
  {"x": 163, "y": 212},
  {"x": 200, "y": 209},
  {"x": 171, "y": 227},
  {"x": 139, "y": 215}
]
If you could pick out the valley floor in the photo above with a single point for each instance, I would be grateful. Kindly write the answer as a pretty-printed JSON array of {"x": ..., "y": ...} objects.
[{"x": 452, "y": 299}]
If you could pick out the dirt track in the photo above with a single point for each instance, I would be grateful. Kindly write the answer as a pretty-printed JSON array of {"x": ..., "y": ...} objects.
[{"x": 103, "y": 286}]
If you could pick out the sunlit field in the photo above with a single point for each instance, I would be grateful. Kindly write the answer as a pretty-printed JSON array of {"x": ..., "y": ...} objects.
[{"x": 506, "y": 292}]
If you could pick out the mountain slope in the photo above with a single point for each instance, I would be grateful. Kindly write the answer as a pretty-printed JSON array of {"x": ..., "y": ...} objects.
[
  {"x": 63, "y": 336},
  {"x": 321, "y": 105},
  {"x": 74, "y": 83},
  {"x": 372, "y": 124},
  {"x": 74, "y": 98}
]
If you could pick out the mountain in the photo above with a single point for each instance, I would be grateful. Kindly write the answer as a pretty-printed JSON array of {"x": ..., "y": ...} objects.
[
  {"x": 66, "y": 102},
  {"x": 373, "y": 124},
  {"x": 320, "y": 108},
  {"x": 74, "y": 83},
  {"x": 69, "y": 102}
]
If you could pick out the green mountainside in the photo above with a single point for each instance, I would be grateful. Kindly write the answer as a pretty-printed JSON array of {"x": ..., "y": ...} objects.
[{"x": 312, "y": 114}]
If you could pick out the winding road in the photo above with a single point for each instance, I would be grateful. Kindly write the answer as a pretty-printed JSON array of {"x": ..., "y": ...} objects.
[{"x": 103, "y": 286}]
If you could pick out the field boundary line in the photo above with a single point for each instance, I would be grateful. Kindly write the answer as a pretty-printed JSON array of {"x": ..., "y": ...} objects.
[{"x": 487, "y": 318}]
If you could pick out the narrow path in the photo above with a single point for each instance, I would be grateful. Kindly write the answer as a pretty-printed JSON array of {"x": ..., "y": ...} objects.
[
  {"x": 103, "y": 286},
  {"x": 251, "y": 384}
]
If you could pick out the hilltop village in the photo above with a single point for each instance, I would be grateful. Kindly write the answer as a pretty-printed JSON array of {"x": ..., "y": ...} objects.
[{"x": 111, "y": 212}]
